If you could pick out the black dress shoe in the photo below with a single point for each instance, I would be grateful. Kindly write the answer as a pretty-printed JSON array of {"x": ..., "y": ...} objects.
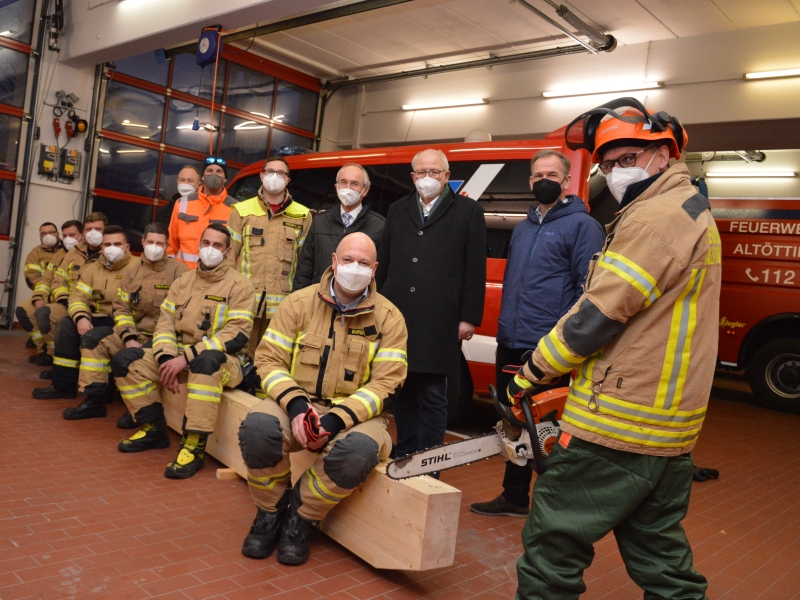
[
  {"x": 53, "y": 393},
  {"x": 91, "y": 408}
]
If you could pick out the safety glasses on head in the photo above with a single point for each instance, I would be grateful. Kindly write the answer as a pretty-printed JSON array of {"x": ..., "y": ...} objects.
[
  {"x": 216, "y": 160},
  {"x": 624, "y": 119}
]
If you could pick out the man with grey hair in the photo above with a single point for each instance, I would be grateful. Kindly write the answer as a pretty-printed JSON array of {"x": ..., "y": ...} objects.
[
  {"x": 432, "y": 266},
  {"x": 328, "y": 228}
]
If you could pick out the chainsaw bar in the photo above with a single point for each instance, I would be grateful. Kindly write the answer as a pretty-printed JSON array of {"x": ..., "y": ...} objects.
[{"x": 439, "y": 458}]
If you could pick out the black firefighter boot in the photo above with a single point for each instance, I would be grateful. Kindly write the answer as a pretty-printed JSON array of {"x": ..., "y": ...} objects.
[
  {"x": 293, "y": 549},
  {"x": 266, "y": 529},
  {"x": 191, "y": 457},
  {"x": 94, "y": 407},
  {"x": 43, "y": 359},
  {"x": 151, "y": 436},
  {"x": 53, "y": 393},
  {"x": 126, "y": 421}
]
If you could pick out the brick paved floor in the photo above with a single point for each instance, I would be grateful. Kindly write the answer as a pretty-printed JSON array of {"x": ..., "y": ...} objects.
[{"x": 80, "y": 520}]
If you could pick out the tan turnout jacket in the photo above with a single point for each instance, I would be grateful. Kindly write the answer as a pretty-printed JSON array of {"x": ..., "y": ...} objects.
[
  {"x": 144, "y": 287},
  {"x": 41, "y": 288},
  {"x": 354, "y": 359},
  {"x": 205, "y": 310},
  {"x": 37, "y": 260},
  {"x": 643, "y": 336},
  {"x": 69, "y": 271},
  {"x": 266, "y": 247},
  {"x": 98, "y": 286}
]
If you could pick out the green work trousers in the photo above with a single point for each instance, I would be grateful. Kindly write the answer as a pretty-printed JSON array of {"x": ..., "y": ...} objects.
[{"x": 589, "y": 490}]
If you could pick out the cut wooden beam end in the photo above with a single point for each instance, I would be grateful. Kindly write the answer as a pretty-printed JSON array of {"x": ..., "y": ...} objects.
[{"x": 227, "y": 474}]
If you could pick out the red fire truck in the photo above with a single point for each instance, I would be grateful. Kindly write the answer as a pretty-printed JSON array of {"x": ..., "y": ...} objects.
[{"x": 759, "y": 330}]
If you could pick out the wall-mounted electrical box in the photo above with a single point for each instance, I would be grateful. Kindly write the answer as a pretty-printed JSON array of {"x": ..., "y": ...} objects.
[
  {"x": 48, "y": 159},
  {"x": 69, "y": 163}
]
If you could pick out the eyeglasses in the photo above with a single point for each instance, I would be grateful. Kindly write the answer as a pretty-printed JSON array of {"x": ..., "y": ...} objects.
[
  {"x": 353, "y": 185},
  {"x": 435, "y": 173},
  {"x": 213, "y": 160},
  {"x": 625, "y": 161},
  {"x": 279, "y": 173}
]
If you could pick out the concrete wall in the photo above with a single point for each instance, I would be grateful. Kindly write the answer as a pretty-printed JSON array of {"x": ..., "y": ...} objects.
[{"x": 703, "y": 76}]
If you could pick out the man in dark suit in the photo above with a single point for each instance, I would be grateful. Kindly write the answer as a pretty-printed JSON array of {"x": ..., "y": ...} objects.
[{"x": 432, "y": 266}]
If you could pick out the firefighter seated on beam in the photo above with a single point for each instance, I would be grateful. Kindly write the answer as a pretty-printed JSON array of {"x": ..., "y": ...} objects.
[
  {"x": 332, "y": 355},
  {"x": 136, "y": 307},
  {"x": 89, "y": 306},
  {"x": 205, "y": 322}
]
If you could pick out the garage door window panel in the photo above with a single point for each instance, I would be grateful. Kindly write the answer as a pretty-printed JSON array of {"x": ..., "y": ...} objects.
[
  {"x": 13, "y": 76},
  {"x": 133, "y": 111},
  {"x": 297, "y": 105},
  {"x": 145, "y": 67},
  {"x": 180, "y": 118},
  {"x": 9, "y": 141},
  {"x": 127, "y": 168},
  {"x": 192, "y": 79}
]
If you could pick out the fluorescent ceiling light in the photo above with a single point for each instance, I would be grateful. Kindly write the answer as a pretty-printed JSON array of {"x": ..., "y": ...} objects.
[
  {"x": 350, "y": 156},
  {"x": 4, "y": 32},
  {"x": 630, "y": 87},
  {"x": 249, "y": 126},
  {"x": 131, "y": 151},
  {"x": 127, "y": 123},
  {"x": 751, "y": 174},
  {"x": 444, "y": 104},
  {"x": 504, "y": 148},
  {"x": 104, "y": 151},
  {"x": 773, "y": 74},
  {"x": 207, "y": 127}
]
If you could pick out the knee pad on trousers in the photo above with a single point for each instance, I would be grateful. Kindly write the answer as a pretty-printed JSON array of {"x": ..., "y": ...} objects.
[
  {"x": 91, "y": 339},
  {"x": 23, "y": 319},
  {"x": 261, "y": 441},
  {"x": 208, "y": 362},
  {"x": 42, "y": 316},
  {"x": 149, "y": 413},
  {"x": 351, "y": 460},
  {"x": 123, "y": 359},
  {"x": 66, "y": 330}
]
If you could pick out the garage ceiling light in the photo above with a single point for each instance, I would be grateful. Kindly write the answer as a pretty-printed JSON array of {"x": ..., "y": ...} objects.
[
  {"x": 773, "y": 74},
  {"x": 444, "y": 104},
  {"x": 751, "y": 174},
  {"x": 631, "y": 87}
]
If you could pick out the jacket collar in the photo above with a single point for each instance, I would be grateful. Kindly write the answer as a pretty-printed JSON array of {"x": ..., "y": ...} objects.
[
  {"x": 221, "y": 198},
  {"x": 121, "y": 263},
  {"x": 673, "y": 177},
  {"x": 444, "y": 202},
  {"x": 214, "y": 275},
  {"x": 54, "y": 249},
  {"x": 287, "y": 200},
  {"x": 157, "y": 266},
  {"x": 337, "y": 214},
  {"x": 366, "y": 305}
]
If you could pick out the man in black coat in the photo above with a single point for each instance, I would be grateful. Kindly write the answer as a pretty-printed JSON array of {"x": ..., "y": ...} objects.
[
  {"x": 432, "y": 266},
  {"x": 328, "y": 229}
]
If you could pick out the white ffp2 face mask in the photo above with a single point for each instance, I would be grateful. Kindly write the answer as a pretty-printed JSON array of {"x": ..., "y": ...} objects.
[
  {"x": 153, "y": 252},
  {"x": 49, "y": 240},
  {"x": 94, "y": 238},
  {"x": 353, "y": 277},
  {"x": 274, "y": 183},
  {"x": 428, "y": 187},
  {"x": 210, "y": 256},
  {"x": 621, "y": 178},
  {"x": 70, "y": 243},
  {"x": 113, "y": 253},
  {"x": 184, "y": 189},
  {"x": 348, "y": 197}
]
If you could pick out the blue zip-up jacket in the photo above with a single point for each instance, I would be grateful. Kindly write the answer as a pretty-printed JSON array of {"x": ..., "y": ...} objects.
[{"x": 545, "y": 271}]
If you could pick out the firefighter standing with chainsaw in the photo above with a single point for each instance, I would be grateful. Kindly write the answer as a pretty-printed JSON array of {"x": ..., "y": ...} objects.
[
  {"x": 204, "y": 323},
  {"x": 142, "y": 289},
  {"x": 332, "y": 355},
  {"x": 643, "y": 338},
  {"x": 268, "y": 232}
]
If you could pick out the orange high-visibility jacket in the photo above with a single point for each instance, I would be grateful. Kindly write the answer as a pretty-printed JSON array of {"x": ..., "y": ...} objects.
[{"x": 190, "y": 217}]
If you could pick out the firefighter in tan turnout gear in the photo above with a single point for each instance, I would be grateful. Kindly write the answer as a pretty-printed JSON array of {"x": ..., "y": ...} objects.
[
  {"x": 136, "y": 307},
  {"x": 205, "y": 322},
  {"x": 332, "y": 355},
  {"x": 643, "y": 338},
  {"x": 268, "y": 232}
]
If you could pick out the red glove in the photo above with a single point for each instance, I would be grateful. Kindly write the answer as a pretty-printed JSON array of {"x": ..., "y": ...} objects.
[{"x": 311, "y": 426}]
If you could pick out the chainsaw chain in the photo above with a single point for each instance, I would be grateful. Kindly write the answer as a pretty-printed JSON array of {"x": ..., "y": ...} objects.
[{"x": 475, "y": 437}]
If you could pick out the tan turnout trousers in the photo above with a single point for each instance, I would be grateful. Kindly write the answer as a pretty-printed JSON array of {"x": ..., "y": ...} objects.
[
  {"x": 318, "y": 493},
  {"x": 35, "y": 333},
  {"x": 141, "y": 387}
]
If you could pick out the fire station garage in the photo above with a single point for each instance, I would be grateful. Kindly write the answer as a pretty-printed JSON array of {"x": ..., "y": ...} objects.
[{"x": 491, "y": 299}]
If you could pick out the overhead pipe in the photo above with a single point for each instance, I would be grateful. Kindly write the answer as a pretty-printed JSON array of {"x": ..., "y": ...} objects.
[
  {"x": 317, "y": 17},
  {"x": 602, "y": 41}
]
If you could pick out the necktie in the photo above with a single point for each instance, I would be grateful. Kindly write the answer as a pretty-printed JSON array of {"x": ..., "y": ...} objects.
[{"x": 346, "y": 220}]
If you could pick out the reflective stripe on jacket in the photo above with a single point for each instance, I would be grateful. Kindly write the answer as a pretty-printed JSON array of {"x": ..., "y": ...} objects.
[
  {"x": 41, "y": 290},
  {"x": 68, "y": 273},
  {"x": 644, "y": 334},
  {"x": 356, "y": 360},
  {"x": 205, "y": 310},
  {"x": 266, "y": 247},
  {"x": 190, "y": 217},
  {"x": 144, "y": 287},
  {"x": 37, "y": 260},
  {"x": 98, "y": 286}
]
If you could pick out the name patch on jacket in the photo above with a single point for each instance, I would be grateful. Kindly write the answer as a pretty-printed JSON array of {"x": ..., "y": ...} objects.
[
  {"x": 216, "y": 298},
  {"x": 368, "y": 331},
  {"x": 119, "y": 276},
  {"x": 292, "y": 225},
  {"x": 356, "y": 332},
  {"x": 161, "y": 287}
]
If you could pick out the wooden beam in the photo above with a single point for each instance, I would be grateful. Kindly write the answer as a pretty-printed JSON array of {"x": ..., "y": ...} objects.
[
  {"x": 227, "y": 474},
  {"x": 410, "y": 524}
]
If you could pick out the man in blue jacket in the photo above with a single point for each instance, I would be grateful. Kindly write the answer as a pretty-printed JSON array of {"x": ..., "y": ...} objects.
[{"x": 548, "y": 259}]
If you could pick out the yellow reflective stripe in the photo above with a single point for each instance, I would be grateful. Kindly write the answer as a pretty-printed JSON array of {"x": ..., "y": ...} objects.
[
  {"x": 244, "y": 256},
  {"x": 205, "y": 393},
  {"x": 373, "y": 347},
  {"x": 268, "y": 482},
  {"x": 557, "y": 354},
  {"x": 606, "y": 404},
  {"x": 214, "y": 344},
  {"x": 84, "y": 288},
  {"x": 168, "y": 306},
  {"x": 75, "y": 307},
  {"x": 391, "y": 355},
  {"x": 274, "y": 378},
  {"x": 235, "y": 236},
  {"x": 96, "y": 364},
  {"x": 679, "y": 344},
  {"x": 219, "y": 318},
  {"x": 120, "y": 320},
  {"x": 320, "y": 490},
  {"x": 33, "y": 267},
  {"x": 165, "y": 338},
  {"x": 633, "y": 434},
  {"x": 296, "y": 349},
  {"x": 129, "y": 392},
  {"x": 369, "y": 400},
  {"x": 239, "y": 314},
  {"x": 60, "y": 291},
  {"x": 633, "y": 274},
  {"x": 278, "y": 339},
  {"x": 272, "y": 304},
  {"x": 42, "y": 288},
  {"x": 261, "y": 394},
  {"x": 36, "y": 335},
  {"x": 714, "y": 252},
  {"x": 65, "y": 362}
]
